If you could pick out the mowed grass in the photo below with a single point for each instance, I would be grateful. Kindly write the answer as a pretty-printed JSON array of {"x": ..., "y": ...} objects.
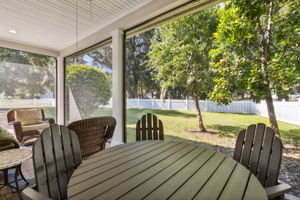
[
  {"x": 182, "y": 125},
  {"x": 222, "y": 127}
]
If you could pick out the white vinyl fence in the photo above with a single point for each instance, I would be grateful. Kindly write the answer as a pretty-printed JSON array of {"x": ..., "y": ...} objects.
[
  {"x": 285, "y": 111},
  {"x": 23, "y": 103}
]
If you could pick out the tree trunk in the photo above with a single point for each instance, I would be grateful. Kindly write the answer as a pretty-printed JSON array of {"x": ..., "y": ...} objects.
[
  {"x": 163, "y": 92},
  {"x": 272, "y": 116},
  {"x": 266, "y": 40},
  {"x": 199, "y": 116}
]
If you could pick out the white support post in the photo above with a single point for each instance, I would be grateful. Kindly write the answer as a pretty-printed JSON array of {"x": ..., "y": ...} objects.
[
  {"x": 60, "y": 91},
  {"x": 117, "y": 86}
]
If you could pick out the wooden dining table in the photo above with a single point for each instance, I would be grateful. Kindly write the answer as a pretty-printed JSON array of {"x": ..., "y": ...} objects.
[{"x": 163, "y": 170}]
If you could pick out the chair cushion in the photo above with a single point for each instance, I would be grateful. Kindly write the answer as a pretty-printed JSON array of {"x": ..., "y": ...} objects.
[
  {"x": 29, "y": 116},
  {"x": 5, "y": 134},
  {"x": 34, "y": 127}
]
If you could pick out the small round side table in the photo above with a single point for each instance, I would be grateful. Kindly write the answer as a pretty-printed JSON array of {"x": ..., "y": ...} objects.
[{"x": 13, "y": 158}]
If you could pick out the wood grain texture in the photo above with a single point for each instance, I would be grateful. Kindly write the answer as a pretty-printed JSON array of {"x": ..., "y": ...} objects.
[
  {"x": 239, "y": 145},
  {"x": 246, "y": 153},
  {"x": 260, "y": 152},
  {"x": 54, "y": 162},
  {"x": 161, "y": 170},
  {"x": 256, "y": 150}
]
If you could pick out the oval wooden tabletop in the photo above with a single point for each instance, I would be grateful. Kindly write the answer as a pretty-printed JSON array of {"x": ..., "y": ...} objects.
[
  {"x": 162, "y": 170},
  {"x": 13, "y": 157}
]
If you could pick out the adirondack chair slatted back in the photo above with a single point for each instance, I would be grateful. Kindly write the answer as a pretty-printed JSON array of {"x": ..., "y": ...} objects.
[
  {"x": 258, "y": 149},
  {"x": 149, "y": 128},
  {"x": 56, "y": 153},
  {"x": 93, "y": 133}
]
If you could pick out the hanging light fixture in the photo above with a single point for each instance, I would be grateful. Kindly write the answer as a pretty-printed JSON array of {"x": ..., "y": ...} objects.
[
  {"x": 76, "y": 27},
  {"x": 91, "y": 10}
]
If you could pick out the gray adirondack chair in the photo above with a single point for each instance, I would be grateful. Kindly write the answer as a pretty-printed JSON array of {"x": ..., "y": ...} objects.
[
  {"x": 149, "y": 127},
  {"x": 56, "y": 153},
  {"x": 258, "y": 149}
]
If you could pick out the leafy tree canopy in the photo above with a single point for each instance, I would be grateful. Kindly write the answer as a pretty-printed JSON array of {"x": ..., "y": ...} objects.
[
  {"x": 90, "y": 86},
  {"x": 179, "y": 54},
  {"x": 257, "y": 50},
  {"x": 25, "y": 75}
]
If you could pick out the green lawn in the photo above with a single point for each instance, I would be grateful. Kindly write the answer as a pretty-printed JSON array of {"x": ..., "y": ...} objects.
[{"x": 182, "y": 125}]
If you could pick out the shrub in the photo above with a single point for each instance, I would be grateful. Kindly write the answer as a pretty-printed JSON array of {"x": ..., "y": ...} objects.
[{"x": 90, "y": 87}]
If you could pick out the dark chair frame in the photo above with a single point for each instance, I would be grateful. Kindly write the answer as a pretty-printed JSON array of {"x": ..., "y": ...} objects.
[
  {"x": 93, "y": 133},
  {"x": 149, "y": 127},
  {"x": 260, "y": 150},
  {"x": 24, "y": 136}
]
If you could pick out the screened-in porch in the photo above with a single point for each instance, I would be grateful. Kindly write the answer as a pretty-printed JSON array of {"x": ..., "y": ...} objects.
[{"x": 149, "y": 99}]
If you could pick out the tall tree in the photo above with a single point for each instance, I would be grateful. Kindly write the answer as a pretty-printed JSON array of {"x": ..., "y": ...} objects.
[
  {"x": 25, "y": 75},
  {"x": 139, "y": 82},
  {"x": 102, "y": 58},
  {"x": 179, "y": 55},
  {"x": 257, "y": 50}
]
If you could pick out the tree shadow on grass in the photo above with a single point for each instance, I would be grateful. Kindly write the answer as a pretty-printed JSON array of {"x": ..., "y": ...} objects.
[
  {"x": 291, "y": 135},
  {"x": 227, "y": 130},
  {"x": 134, "y": 114}
]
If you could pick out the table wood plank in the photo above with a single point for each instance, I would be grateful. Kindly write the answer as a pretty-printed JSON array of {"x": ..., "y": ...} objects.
[
  {"x": 236, "y": 186},
  {"x": 149, "y": 185},
  {"x": 94, "y": 186},
  {"x": 134, "y": 159},
  {"x": 114, "y": 151},
  {"x": 126, "y": 154},
  {"x": 254, "y": 190},
  {"x": 165, "y": 190},
  {"x": 214, "y": 186},
  {"x": 118, "y": 188},
  {"x": 192, "y": 186},
  {"x": 163, "y": 170}
]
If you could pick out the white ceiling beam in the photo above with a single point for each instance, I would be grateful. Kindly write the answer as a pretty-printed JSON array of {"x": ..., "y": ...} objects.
[
  {"x": 142, "y": 14},
  {"x": 28, "y": 48}
]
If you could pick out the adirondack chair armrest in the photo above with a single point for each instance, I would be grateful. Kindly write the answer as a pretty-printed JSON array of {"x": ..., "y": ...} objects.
[
  {"x": 31, "y": 194},
  {"x": 278, "y": 190}
]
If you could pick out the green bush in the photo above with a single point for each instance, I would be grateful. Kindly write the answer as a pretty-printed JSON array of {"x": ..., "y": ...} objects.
[{"x": 90, "y": 86}]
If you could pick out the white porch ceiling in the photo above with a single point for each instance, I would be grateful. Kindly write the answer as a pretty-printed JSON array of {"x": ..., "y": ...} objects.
[{"x": 51, "y": 24}]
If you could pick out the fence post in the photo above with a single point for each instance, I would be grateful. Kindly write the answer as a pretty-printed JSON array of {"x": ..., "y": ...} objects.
[
  {"x": 299, "y": 111},
  {"x": 138, "y": 102},
  {"x": 153, "y": 103},
  {"x": 186, "y": 103},
  {"x": 169, "y": 104}
]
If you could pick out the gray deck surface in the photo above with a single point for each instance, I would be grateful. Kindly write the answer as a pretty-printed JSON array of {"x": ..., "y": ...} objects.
[{"x": 162, "y": 170}]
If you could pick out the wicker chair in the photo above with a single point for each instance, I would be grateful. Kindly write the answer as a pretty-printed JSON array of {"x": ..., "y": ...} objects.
[
  {"x": 26, "y": 137},
  {"x": 149, "y": 127},
  {"x": 93, "y": 133},
  {"x": 259, "y": 150}
]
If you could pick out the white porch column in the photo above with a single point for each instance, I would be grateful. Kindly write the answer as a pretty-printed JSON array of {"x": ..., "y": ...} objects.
[
  {"x": 117, "y": 86},
  {"x": 60, "y": 90}
]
